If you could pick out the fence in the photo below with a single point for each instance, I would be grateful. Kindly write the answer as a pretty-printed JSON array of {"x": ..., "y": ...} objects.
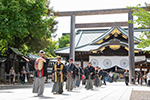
[
  {"x": 7, "y": 77},
  {"x": 17, "y": 77}
]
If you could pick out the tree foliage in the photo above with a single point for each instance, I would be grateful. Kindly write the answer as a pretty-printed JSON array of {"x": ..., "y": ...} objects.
[
  {"x": 143, "y": 20},
  {"x": 64, "y": 40},
  {"x": 26, "y": 24},
  {"x": 50, "y": 48}
]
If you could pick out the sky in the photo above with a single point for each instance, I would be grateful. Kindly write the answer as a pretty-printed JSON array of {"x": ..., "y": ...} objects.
[{"x": 78, "y": 5}]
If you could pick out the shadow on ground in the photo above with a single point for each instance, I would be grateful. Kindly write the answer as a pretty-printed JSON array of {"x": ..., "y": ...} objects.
[
  {"x": 45, "y": 97},
  {"x": 6, "y": 92}
]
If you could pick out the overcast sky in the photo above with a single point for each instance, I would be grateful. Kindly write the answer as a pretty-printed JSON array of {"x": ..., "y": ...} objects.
[{"x": 77, "y": 5}]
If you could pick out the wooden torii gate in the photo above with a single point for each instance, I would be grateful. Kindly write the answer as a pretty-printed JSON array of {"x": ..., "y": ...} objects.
[{"x": 110, "y": 24}]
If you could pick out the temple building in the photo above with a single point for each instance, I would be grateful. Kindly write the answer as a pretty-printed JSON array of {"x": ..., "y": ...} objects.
[{"x": 107, "y": 48}]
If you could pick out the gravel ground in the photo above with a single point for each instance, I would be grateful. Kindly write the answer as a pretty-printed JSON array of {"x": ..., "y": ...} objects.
[{"x": 140, "y": 95}]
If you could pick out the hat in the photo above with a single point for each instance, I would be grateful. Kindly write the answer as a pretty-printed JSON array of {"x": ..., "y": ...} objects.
[
  {"x": 71, "y": 59},
  {"x": 59, "y": 57},
  {"x": 77, "y": 63},
  {"x": 42, "y": 52},
  {"x": 89, "y": 62}
]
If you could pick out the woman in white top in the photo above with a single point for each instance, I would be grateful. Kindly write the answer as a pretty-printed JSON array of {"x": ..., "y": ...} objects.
[{"x": 12, "y": 75}]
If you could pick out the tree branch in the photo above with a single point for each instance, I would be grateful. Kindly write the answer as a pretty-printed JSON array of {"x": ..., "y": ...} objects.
[
  {"x": 2, "y": 49},
  {"x": 31, "y": 9}
]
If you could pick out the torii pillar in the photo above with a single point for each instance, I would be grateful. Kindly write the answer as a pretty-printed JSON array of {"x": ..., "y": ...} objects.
[
  {"x": 72, "y": 37},
  {"x": 131, "y": 50}
]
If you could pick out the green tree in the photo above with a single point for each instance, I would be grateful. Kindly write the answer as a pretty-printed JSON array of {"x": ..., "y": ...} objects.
[
  {"x": 64, "y": 40},
  {"x": 26, "y": 24},
  {"x": 143, "y": 20},
  {"x": 50, "y": 48}
]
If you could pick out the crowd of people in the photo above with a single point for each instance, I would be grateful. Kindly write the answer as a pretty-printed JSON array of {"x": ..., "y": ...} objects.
[{"x": 72, "y": 74}]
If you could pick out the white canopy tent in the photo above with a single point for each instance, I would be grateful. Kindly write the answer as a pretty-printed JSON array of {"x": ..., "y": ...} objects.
[{"x": 106, "y": 62}]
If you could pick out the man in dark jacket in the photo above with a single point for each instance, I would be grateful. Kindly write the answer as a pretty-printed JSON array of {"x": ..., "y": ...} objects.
[
  {"x": 104, "y": 75},
  {"x": 90, "y": 74},
  {"x": 70, "y": 75},
  {"x": 83, "y": 80},
  {"x": 97, "y": 74},
  {"x": 78, "y": 74},
  {"x": 126, "y": 76}
]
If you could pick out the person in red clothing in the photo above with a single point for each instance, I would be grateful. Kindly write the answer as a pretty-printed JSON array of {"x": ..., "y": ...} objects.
[{"x": 40, "y": 75}]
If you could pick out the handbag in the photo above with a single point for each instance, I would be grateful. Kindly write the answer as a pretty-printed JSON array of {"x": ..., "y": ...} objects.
[
  {"x": 26, "y": 80},
  {"x": 82, "y": 77}
]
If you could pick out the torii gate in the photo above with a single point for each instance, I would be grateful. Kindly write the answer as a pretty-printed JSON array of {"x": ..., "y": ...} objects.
[{"x": 100, "y": 12}]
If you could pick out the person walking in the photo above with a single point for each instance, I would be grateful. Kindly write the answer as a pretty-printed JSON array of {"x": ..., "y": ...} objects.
[
  {"x": 104, "y": 75},
  {"x": 67, "y": 65},
  {"x": 74, "y": 76},
  {"x": 59, "y": 70},
  {"x": 97, "y": 81},
  {"x": 70, "y": 75},
  {"x": 78, "y": 75},
  {"x": 39, "y": 75},
  {"x": 12, "y": 75},
  {"x": 89, "y": 73},
  {"x": 84, "y": 78},
  {"x": 126, "y": 76}
]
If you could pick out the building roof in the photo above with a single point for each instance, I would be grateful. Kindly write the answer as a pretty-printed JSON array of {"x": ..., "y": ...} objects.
[
  {"x": 16, "y": 51},
  {"x": 32, "y": 56},
  {"x": 2, "y": 59},
  {"x": 85, "y": 39}
]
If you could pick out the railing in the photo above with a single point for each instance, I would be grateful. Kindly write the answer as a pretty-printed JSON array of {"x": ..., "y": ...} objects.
[
  {"x": 8, "y": 79},
  {"x": 17, "y": 77}
]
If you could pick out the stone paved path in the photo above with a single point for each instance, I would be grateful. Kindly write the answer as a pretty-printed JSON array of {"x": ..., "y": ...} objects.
[{"x": 112, "y": 91}]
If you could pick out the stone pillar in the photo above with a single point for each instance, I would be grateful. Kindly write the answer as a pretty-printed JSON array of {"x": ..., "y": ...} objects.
[
  {"x": 131, "y": 50},
  {"x": 72, "y": 37}
]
